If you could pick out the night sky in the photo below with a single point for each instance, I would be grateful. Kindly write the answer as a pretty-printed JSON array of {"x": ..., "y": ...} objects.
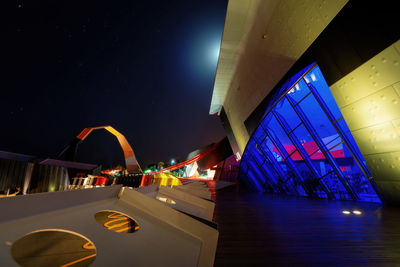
[{"x": 147, "y": 68}]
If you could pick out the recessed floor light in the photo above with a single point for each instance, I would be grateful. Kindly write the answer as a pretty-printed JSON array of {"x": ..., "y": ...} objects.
[{"x": 346, "y": 212}]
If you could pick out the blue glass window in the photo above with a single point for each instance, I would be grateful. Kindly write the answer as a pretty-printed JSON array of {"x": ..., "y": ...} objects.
[
  {"x": 303, "y": 145},
  {"x": 283, "y": 108}
]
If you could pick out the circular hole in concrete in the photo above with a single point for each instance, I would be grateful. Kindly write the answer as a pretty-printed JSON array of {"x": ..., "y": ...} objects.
[
  {"x": 116, "y": 221},
  {"x": 53, "y": 247}
]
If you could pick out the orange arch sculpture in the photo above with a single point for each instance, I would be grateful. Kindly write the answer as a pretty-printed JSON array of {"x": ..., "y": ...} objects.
[{"x": 130, "y": 160}]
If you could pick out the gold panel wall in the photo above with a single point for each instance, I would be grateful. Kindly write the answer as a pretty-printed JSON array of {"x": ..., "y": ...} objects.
[{"x": 369, "y": 98}]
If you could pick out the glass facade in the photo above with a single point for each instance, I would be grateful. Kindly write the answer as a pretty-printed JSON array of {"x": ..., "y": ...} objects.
[{"x": 303, "y": 146}]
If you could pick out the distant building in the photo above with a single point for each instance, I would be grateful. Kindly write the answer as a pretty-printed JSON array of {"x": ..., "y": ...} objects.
[{"x": 23, "y": 174}]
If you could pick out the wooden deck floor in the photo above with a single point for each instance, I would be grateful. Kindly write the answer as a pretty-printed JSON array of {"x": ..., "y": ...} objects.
[{"x": 270, "y": 230}]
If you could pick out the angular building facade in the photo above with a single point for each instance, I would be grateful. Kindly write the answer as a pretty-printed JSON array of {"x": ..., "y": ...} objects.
[
  {"x": 308, "y": 94},
  {"x": 304, "y": 147}
]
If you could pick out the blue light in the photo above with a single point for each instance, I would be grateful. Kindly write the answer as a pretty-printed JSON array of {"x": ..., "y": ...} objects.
[{"x": 303, "y": 146}]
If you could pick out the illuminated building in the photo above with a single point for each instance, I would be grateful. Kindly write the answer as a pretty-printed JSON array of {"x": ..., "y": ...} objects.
[
  {"x": 300, "y": 149},
  {"x": 303, "y": 146},
  {"x": 206, "y": 163}
]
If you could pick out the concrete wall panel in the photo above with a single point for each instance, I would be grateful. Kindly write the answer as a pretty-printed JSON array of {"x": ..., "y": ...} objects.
[{"x": 277, "y": 34}]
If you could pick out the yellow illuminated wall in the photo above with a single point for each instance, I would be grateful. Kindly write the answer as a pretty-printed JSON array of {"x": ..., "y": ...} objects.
[
  {"x": 166, "y": 179},
  {"x": 369, "y": 98}
]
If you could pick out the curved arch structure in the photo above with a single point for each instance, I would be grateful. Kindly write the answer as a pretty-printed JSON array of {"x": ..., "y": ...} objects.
[{"x": 130, "y": 160}]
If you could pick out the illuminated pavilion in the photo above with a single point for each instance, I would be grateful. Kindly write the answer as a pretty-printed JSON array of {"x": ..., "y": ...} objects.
[{"x": 308, "y": 93}]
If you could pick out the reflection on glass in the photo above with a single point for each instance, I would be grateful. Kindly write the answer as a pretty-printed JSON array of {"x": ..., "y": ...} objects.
[
  {"x": 283, "y": 108},
  {"x": 303, "y": 144},
  {"x": 259, "y": 135}
]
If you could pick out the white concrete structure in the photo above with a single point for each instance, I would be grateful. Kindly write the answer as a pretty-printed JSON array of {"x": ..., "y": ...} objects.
[{"x": 166, "y": 236}]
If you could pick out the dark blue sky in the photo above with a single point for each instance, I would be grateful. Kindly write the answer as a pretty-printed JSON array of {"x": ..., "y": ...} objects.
[{"x": 145, "y": 67}]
